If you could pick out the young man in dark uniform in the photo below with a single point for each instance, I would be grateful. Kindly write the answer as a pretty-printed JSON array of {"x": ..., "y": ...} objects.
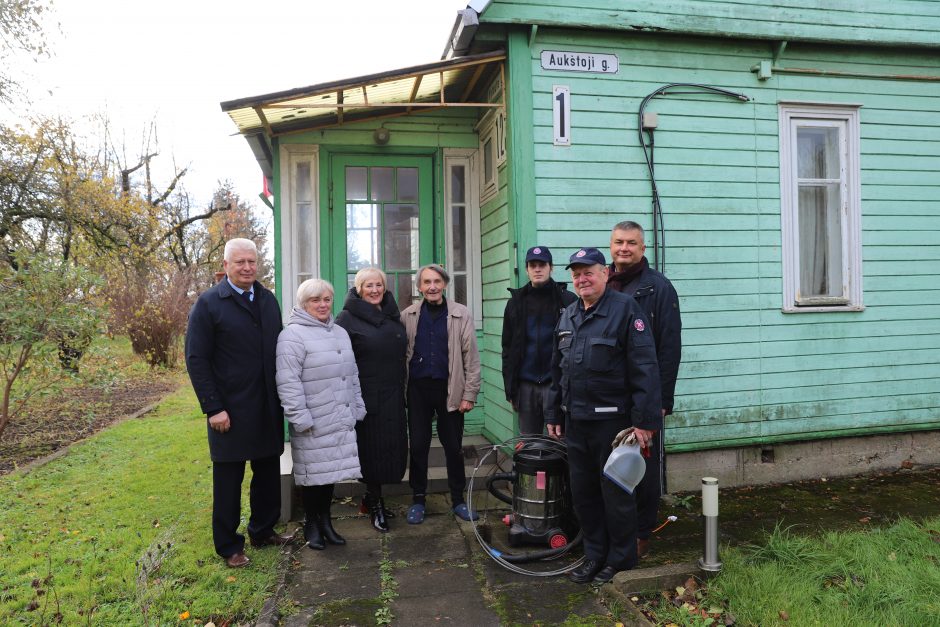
[{"x": 528, "y": 338}]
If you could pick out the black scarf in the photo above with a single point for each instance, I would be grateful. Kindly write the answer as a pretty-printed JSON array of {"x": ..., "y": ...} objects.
[{"x": 617, "y": 280}]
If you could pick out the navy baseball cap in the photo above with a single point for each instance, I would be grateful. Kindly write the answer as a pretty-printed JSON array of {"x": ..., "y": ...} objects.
[
  {"x": 539, "y": 253},
  {"x": 586, "y": 257}
]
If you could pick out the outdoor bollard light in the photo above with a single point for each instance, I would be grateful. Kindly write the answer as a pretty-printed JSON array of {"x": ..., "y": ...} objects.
[{"x": 709, "y": 561}]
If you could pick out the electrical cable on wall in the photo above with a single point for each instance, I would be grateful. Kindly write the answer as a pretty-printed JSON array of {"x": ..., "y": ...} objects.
[{"x": 659, "y": 229}]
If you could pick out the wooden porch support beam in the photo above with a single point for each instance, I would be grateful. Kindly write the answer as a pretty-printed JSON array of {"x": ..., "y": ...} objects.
[
  {"x": 414, "y": 90},
  {"x": 264, "y": 120},
  {"x": 474, "y": 79},
  {"x": 339, "y": 106}
]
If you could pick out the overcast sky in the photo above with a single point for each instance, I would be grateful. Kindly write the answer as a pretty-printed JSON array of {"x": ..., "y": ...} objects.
[{"x": 175, "y": 60}]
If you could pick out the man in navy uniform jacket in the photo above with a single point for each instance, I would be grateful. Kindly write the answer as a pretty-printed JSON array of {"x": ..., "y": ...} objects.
[{"x": 606, "y": 379}]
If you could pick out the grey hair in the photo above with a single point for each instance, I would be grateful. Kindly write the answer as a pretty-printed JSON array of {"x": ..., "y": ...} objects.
[
  {"x": 629, "y": 225},
  {"x": 432, "y": 266},
  {"x": 311, "y": 288},
  {"x": 365, "y": 274},
  {"x": 238, "y": 243}
]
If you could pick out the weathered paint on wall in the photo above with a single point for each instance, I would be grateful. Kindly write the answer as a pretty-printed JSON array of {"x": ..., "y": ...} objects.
[
  {"x": 751, "y": 373},
  {"x": 902, "y": 22}
]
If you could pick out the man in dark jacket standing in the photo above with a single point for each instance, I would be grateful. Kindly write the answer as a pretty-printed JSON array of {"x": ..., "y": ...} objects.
[
  {"x": 230, "y": 354},
  {"x": 528, "y": 337},
  {"x": 605, "y": 375},
  {"x": 631, "y": 274}
]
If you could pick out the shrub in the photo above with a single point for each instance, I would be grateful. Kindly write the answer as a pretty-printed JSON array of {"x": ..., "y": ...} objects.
[
  {"x": 152, "y": 309},
  {"x": 42, "y": 301}
]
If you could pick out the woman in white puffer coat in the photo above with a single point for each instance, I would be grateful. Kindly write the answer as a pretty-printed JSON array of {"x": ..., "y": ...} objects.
[{"x": 318, "y": 383}]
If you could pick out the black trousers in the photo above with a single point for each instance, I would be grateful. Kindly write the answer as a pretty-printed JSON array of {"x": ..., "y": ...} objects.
[
  {"x": 427, "y": 398},
  {"x": 317, "y": 499},
  {"x": 264, "y": 499},
  {"x": 534, "y": 401},
  {"x": 650, "y": 489},
  {"x": 607, "y": 513}
]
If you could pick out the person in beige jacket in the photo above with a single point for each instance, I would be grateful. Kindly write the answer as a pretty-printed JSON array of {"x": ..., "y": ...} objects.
[{"x": 443, "y": 381}]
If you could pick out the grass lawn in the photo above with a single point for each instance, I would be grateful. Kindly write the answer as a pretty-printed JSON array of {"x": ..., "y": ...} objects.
[
  {"x": 878, "y": 577},
  {"x": 118, "y": 532}
]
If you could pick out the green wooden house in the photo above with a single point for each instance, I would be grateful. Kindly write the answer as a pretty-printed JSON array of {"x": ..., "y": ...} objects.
[{"x": 794, "y": 150}]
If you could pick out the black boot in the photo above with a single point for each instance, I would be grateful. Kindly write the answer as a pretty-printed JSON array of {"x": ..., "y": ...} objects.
[
  {"x": 378, "y": 515},
  {"x": 325, "y": 525},
  {"x": 312, "y": 534}
]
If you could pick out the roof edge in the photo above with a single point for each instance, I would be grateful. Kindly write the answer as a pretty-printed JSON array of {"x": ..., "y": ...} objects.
[{"x": 263, "y": 99}]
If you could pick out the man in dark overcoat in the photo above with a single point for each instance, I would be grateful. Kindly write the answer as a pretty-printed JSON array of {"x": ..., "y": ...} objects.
[{"x": 230, "y": 354}]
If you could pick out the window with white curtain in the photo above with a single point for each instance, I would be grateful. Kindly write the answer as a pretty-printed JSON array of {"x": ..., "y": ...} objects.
[
  {"x": 300, "y": 253},
  {"x": 462, "y": 223},
  {"x": 820, "y": 207}
]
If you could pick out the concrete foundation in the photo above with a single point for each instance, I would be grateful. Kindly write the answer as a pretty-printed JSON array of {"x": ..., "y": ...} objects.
[{"x": 795, "y": 461}]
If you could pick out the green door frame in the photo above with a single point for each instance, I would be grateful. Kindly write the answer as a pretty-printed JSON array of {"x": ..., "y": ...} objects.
[{"x": 333, "y": 212}]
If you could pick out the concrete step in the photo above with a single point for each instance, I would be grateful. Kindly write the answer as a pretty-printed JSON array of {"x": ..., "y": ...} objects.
[
  {"x": 437, "y": 482},
  {"x": 475, "y": 447}
]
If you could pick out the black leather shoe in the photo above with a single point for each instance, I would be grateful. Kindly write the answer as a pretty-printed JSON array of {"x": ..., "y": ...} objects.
[
  {"x": 325, "y": 526},
  {"x": 313, "y": 536},
  {"x": 605, "y": 574},
  {"x": 585, "y": 572}
]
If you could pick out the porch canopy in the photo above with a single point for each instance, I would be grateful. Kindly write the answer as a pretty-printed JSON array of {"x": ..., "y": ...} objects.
[{"x": 448, "y": 83}]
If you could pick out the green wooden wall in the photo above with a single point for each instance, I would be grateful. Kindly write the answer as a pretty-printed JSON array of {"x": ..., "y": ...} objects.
[
  {"x": 420, "y": 133},
  {"x": 901, "y": 22},
  {"x": 751, "y": 374}
]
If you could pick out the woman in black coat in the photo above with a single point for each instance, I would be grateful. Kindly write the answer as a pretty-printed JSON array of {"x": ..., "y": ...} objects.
[{"x": 371, "y": 317}]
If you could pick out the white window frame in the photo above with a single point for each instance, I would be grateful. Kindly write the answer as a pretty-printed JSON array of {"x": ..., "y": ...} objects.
[
  {"x": 492, "y": 130},
  {"x": 468, "y": 159},
  {"x": 845, "y": 117},
  {"x": 290, "y": 156}
]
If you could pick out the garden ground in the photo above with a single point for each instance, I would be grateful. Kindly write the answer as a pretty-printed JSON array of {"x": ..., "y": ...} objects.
[{"x": 117, "y": 532}]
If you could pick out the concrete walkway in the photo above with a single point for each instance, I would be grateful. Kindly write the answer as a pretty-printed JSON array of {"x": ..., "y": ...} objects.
[
  {"x": 438, "y": 573},
  {"x": 433, "y": 573}
]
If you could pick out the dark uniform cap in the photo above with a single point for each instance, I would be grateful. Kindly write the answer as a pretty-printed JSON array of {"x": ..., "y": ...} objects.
[
  {"x": 586, "y": 257},
  {"x": 539, "y": 253}
]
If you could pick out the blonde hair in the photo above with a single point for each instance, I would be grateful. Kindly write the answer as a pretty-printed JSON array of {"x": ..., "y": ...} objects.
[
  {"x": 367, "y": 273},
  {"x": 311, "y": 288}
]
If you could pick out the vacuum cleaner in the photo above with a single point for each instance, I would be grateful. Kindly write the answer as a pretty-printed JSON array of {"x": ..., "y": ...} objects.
[
  {"x": 542, "y": 512},
  {"x": 541, "y": 496}
]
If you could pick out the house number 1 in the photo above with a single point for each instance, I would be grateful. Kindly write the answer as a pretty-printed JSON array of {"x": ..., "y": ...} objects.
[{"x": 561, "y": 114}]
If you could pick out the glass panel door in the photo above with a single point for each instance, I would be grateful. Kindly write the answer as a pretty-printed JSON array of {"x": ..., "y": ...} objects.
[{"x": 382, "y": 217}]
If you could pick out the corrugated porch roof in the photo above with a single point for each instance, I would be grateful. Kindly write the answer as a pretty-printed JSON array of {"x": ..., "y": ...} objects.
[{"x": 448, "y": 83}]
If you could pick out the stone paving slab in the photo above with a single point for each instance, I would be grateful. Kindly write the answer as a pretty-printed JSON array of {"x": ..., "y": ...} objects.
[
  {"x": 548, "y": 601},
  {"x": 436, "y": 578},
  {"x": 452, "y": 597}
]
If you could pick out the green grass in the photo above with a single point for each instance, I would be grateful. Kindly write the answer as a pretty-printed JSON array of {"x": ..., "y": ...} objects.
[
  {"x": 886, "y": 576},
  {"x": 118, "y": 531}
]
